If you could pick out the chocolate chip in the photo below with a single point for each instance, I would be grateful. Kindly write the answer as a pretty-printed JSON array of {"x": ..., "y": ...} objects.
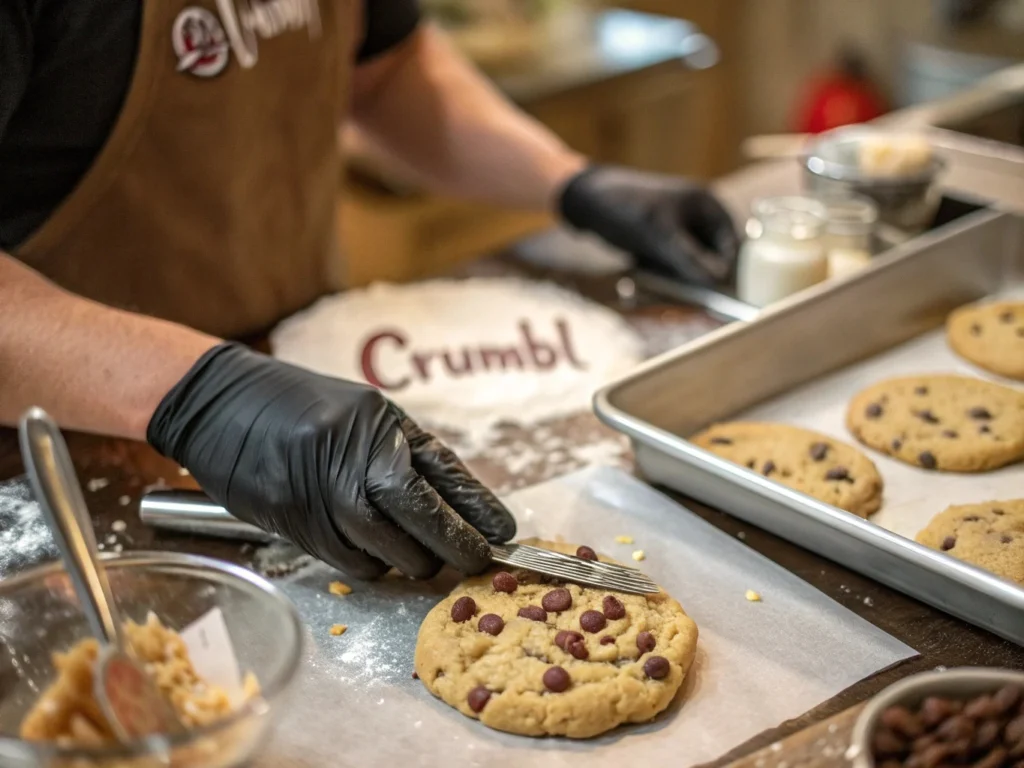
[
  {"x": 463, "y": 609},
  {"x": 985, "y": 429},
  {"x": 768, "y": 468},
  {"x": 1020, "y": 332},
  {"x": 948, "y": 543},
  {"x": 887, "y": 744},
  {"x": 934, "y": 756},
  {"x": 720, "y": 441},
  {"x": 956, "y": 728},
  {"x": 751, "y": 464},
  {"x": 838, "y": 473},
  {"x": 1005, "y": 538},
  {"x": 951, "y": 434},
  {"x": 1006, "y": 698},
  {"x": 557, "y": 600},
  {"x": 586, "y": 553},
  {"x": 920, "y": 390},
  {"x": 927, "y": 459},
  {"x": 565, "y": 637},
  {"x": 533, "y": 613},
  {"x": 491, "y": 623},
  {"x": 504, "y": 581},
  {"x": 1006, "y": 317},
  {"x": 415, "y": 676},
  {"x": 993, "y": 759},
  {"x": 1014, "y": 732},
  {"x": 979, "y": 412},
  {"x": 657, "y": 667},
  {"x": 998, "y": 512},
  {"x": 578, "y": 650},
  {"x": 613, "y": 608},
  {"x": 897, "y": 444},
  {"x": 556, "y": 679},
  {"x": 478, "y": 698},
  {"x": 645, "y": 642},
  {"x": 927, "y": 416},
  {"x": 873, "y": 411},
  {"x": 607, "y": 640},
  {"x": 981, "y": 707},
  {"x": 971, "y": 519},
  {"x": 987, "y": 734},
  {"x": 902, "y": 721},
  {"x": 819, "y": 451},
  {"x": 592, "y": 621},
  {"x": 975, "y": 329},
  {"x": 935, "y": 709}
]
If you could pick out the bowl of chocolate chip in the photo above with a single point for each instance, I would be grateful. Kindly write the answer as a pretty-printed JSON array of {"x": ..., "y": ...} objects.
[{"x": 965, "y": 716}]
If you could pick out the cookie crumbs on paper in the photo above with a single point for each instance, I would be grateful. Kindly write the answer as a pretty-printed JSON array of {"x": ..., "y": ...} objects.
[
  {"x": 639, "y": 555},
  {"x": 338, "y": 630},
  {"x": 339, "y": 588},
  {"x": 623, "y": 539},
  {"x": 753, "y": 596}
]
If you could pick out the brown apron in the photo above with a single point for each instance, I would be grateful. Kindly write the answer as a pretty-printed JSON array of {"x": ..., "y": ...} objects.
[{"x": 214, "y": 200}]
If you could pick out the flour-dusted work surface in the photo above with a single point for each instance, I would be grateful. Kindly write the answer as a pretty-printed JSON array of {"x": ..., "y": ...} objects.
[{"x": 758, "y": 662}]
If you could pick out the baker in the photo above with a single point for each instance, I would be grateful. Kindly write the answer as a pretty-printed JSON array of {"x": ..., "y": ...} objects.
[{"x": 168, "y": 180}]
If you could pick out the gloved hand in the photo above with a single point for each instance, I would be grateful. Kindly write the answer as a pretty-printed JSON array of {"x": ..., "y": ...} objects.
[
  {"x": 330, "y": 464},
  {"x": 669, "y": 224}
]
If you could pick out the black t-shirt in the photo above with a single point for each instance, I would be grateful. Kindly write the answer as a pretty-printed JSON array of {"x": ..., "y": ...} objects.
[{"x": 65, "y": 69}]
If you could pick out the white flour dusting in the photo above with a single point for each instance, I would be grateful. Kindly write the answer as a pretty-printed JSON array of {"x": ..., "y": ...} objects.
[
  {"x": 24, "y": 536},
  {"x": 466, "y": 356}
]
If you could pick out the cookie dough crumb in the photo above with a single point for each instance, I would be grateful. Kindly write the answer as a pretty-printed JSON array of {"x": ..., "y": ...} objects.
[
  {"x": 338, "y": 630},
  {"x": 639, "y": 555},
  {"x": 753, "y": 596},
  {"x": 183, "y": 472},
  {"x": 124, "y": 501},
  {"x": 624, "y": 539},
  {"x": 118, "y": 526},
  {"x": 339, "y": 588},
  {"x": 97, "y": 484}
]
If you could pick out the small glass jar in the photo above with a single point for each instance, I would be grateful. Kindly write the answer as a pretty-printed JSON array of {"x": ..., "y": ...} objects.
[
  {"x": 849, "y": 233},
  {"x": 785, "y": 250}
]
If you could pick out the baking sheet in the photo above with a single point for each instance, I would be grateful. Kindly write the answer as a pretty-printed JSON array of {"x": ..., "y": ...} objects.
[
  {"x": 912, "y": 495},
  {"x": 758, "y": 664}
]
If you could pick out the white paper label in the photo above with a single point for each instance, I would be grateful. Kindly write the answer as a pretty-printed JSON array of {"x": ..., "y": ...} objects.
[{"x": 213, "y": 654}]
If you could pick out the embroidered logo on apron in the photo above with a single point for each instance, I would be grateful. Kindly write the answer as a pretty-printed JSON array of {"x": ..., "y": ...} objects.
[
  {"x": 200, "y": 43},
  {"x": 203, "y": 42}
]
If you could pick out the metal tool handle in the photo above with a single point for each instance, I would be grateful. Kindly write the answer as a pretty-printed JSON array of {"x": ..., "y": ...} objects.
[
  {"x": 56, "y": 488},
  {"x": 193, "y": 512}
]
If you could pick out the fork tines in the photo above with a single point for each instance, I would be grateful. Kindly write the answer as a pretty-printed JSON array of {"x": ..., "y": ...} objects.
[{"x": 589, "y": 572}]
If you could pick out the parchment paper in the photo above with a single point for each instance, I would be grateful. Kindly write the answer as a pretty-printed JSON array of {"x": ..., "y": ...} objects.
[
  {"x": 912, "y": 495},
  {"x": 757, "y": 664}
]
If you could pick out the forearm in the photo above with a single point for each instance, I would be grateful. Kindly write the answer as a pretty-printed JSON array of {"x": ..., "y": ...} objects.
[
  {"x": 431, "y": 110},
  {"x": 91, "y": 367}
]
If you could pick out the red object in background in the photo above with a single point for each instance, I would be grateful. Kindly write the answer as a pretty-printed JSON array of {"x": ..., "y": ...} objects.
[{"x": 843, "y": 97}]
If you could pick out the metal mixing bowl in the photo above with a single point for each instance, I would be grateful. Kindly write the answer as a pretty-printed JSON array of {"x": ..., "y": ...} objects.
[
  {"x": 832, "y": 168},
  {"x": 961, "y": 683},
  {"x": 39, "y": 614}
]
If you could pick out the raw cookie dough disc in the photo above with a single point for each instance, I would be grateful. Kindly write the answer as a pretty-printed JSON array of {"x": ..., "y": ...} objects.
[
  {"x": 989, "y": 535},
  {"x": 806, "y": 461},
  {"x": 607, "y": 688},
  {"x": 991, "y": 336},
  {"x": 952, "y": 423}
]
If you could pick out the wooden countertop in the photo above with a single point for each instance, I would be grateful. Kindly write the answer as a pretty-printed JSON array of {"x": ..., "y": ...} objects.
[{"x": 940, "y": 639}]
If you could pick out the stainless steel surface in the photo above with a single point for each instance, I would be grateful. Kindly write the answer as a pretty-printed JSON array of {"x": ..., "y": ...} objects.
[
  {"x": 193, "y": 512},
  {"x": 829, "y": 328},
  {"x": 55, "y": 486},
  {"x": 589, "y": 572},
  {"x": 128, "y": 697},
  {"x": 956, "y": 683}
]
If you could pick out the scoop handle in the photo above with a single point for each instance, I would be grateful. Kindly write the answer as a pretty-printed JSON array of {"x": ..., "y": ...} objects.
[{"x": 56, "y": 487}]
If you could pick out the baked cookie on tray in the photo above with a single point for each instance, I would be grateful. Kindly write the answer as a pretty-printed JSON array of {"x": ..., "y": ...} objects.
[
  {"x": 806, "y": 461},
  {"x": 990, "y": 335},
  {"x": 989, "y": 535},
  {"x": 951, "y": 423},
  {"x": 552, "y": 659}
]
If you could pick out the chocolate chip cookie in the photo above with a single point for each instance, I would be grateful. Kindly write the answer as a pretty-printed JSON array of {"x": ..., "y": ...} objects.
[
  {"x": 990, "y": 335},
  {"x": 806, "y": 461},
  {"x": 950, "y": 423},
  {"x": 989, "y": 535},
  {"x": 547, "y": 659}
]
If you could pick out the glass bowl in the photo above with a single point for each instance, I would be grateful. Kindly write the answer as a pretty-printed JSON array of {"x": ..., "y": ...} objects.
[{"x": 40, "y": 614}]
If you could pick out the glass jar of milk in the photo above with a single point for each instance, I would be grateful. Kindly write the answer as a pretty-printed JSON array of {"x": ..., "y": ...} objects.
[
  {"x": 849, "y": 233},
  {"x": 785, "y": 250}
]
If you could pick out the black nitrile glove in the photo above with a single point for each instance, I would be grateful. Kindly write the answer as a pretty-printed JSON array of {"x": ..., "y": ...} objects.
[
  {"x": 669, "y": 224},
  {"x": 332, "y": 465}
]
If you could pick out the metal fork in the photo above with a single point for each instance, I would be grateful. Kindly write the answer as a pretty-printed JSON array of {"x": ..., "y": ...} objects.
[{"x": 193, "y": 512}]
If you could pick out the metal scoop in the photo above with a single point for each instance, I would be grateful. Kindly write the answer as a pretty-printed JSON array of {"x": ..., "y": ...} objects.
[{"x": 127, "y": 696}]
